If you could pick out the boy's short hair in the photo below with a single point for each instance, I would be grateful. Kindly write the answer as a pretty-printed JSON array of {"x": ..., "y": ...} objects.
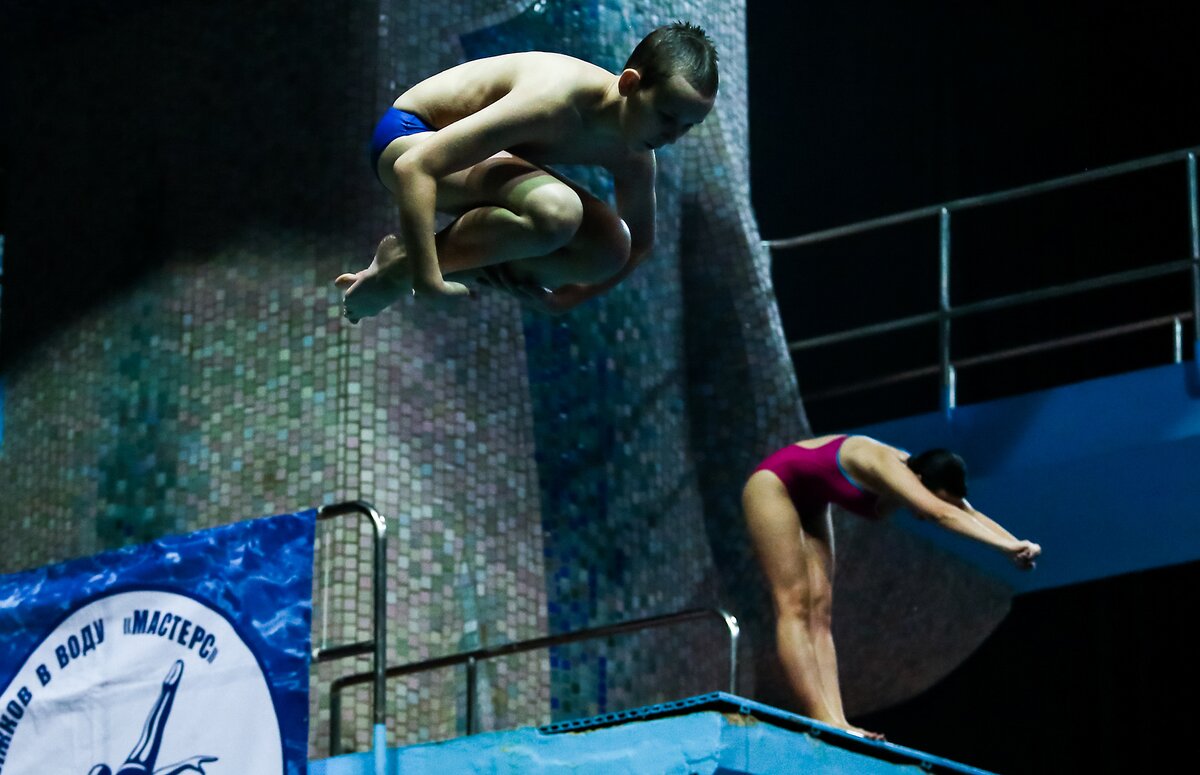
[
  {"x": 679, "y": 48},
  {"x": 941, "y": 469}
]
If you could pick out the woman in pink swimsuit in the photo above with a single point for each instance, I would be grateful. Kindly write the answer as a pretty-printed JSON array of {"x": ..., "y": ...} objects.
[{"x": 786, "y": 502}]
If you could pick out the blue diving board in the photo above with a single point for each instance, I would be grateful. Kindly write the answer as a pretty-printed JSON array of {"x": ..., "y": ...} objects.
[{"x": 710, "y": 734}]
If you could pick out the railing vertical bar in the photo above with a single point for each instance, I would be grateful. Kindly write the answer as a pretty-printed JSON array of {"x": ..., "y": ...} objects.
[
  {"x": 1194, "y": 220},
  {"x": 472, "y": 678},
  {"x": 1178, "y": 331},
  {"x": 948, "y": 397},
  {"x": 335, "y": 723},
  {"x": 735, "y": 630},
  {"x": 380, "y": 658},
  {"x": 326, "y": 583}
]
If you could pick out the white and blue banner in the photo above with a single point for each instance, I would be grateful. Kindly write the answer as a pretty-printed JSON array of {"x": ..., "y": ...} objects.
[{"x": 187, "y": 655}]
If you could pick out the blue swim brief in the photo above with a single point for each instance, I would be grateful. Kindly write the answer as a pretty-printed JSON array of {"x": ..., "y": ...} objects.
[{"x": 395, "y": 123}]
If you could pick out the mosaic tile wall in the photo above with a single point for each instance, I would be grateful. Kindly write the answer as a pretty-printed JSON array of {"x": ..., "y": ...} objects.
[
  {"x": 221, "y": 384},
  {"x": 622, "y": 501},
  {"x": 539, "y": 475}
]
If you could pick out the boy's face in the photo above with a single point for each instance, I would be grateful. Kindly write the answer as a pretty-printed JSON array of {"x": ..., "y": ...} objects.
[{"x": 663, "y": 113}]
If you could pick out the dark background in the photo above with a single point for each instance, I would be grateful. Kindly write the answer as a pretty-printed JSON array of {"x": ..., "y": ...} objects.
[
  {"x": 862, "y": 109},
  {"x": 206, "y": 123}
]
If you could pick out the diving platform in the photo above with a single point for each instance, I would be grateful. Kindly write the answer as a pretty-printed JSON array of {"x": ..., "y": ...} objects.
[{"x": 709, "y": 734}]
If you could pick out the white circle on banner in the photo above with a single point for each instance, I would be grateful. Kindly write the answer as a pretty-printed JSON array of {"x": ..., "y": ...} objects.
[{"x": 153, "y": 682}]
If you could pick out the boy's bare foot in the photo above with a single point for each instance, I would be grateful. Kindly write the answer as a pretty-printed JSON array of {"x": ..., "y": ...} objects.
[{"x": 374, "y": 289}]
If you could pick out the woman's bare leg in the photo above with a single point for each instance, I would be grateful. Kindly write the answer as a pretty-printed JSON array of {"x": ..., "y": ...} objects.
[
  {"x": 818, "y": 529},
  {"x": 796, "y": 555}
]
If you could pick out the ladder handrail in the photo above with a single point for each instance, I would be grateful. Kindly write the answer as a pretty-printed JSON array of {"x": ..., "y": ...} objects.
[
  {"x": 377, "y": 646},
  {"x": 474, "y": 656}
]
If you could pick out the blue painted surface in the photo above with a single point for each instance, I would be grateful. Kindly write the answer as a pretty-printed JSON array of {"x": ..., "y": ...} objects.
[
  {"x": 714, "y": 734},
  {"x": 1104, "y": 474}
]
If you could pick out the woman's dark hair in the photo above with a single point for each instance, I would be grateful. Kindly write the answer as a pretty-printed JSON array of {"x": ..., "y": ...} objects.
[
  {"x": 679, "y": 48},
  {"x": 941, "y": 469}
]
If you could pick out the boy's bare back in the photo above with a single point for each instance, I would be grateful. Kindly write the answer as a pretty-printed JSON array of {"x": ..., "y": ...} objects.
[{"x": 565, "y": 94}]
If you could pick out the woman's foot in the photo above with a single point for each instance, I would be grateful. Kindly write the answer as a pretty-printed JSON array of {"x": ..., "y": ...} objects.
[
  {"x": 374, "y": 289},
  {"x": 858, "y": 732}
]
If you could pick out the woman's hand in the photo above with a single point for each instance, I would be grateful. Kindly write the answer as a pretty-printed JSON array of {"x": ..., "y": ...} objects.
[{"x": 1023, "y": 554}]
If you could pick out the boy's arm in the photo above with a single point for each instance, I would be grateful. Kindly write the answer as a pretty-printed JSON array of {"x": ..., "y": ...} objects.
[
  {"x": 518, "y": 117},
  {"x": 636, "y": 204}
]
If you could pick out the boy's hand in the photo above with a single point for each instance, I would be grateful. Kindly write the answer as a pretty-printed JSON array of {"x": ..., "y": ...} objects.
[{"x": 499, "y": 276}]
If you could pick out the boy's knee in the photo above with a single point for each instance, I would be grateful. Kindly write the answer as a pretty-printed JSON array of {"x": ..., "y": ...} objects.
[{"x": 555, "y": 211}]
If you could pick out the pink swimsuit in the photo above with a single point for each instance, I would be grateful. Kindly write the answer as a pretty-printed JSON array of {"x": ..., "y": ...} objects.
[{"x": 815, "y": 477}]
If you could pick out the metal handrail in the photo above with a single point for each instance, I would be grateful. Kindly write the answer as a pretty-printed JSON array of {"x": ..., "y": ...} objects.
[
  {"x": 946, "y": 312},
  {"x": 1012, "y": 352},
  {"x": 472, "y": 659},
  {"x": 970, "y": 202},
  {"x": 377, "y": 646},
  {"x": 999, "y": 302}
]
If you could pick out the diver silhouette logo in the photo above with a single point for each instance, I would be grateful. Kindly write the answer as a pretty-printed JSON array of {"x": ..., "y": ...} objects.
[
  {"x": 144, "y": 697},
  {"x": 142, "y": 758}
]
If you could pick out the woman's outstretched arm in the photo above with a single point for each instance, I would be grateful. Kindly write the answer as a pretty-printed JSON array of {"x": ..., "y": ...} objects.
[{"x": 883, "y": 470}]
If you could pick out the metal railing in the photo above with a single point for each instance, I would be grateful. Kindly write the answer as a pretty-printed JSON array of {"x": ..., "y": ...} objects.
[
  {"x": 377, "y": 646},
  {"x": 947, "y": 312},
  {"x": 472, "y": 659}
]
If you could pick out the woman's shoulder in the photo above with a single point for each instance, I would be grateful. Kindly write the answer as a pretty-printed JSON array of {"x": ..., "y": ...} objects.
[{"x": 868, "y": 446}]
